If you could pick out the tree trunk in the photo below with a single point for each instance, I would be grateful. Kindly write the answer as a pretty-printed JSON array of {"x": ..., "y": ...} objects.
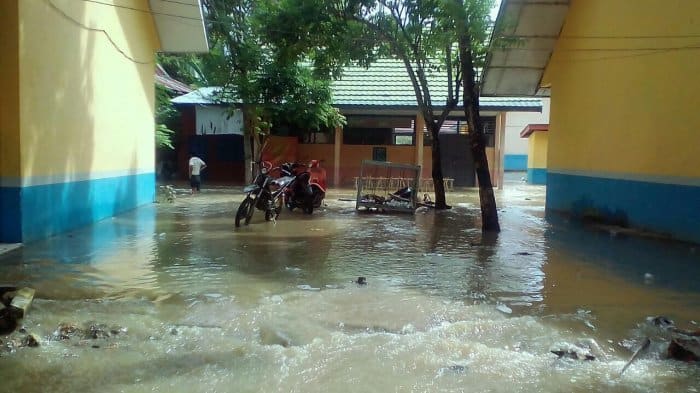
[
  {"x": 438, "y": 183},
  {"x": 489, "y": 213}
]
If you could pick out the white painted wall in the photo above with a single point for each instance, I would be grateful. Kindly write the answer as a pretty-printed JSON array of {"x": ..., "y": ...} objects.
[
  {"x": 214, "y": 120},
  {"x": 515, "y": 122}
]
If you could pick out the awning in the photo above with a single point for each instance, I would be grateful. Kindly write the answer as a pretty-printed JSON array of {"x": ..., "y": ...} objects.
[
  {"x": 532, "y": 28},
  {"x": 530, "y": 128},
  {"x": 180, "y": 25}
]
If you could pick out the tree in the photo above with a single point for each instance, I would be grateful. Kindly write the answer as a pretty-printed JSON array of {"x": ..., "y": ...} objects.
[
  {"x": 430, "y": 37},
  {"x": 165, "y": 115},
  {"x": 270, "y": 86},
  {"x": 472, "y": 51}
]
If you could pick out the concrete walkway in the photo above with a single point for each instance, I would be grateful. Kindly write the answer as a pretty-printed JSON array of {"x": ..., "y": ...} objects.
[{"x": 7, "y": 247}]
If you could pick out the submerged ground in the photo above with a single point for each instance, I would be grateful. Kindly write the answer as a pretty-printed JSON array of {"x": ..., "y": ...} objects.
[{"x": 195, "y": 305}]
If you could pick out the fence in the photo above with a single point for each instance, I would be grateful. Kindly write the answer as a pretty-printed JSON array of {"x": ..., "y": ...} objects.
[{"x": 387, "y": 186}]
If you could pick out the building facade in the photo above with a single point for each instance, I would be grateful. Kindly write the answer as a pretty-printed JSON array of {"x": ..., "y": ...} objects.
[
  {"x": 77, "y": 112},
  {"x": 623, "y": 135},
  {"x": 516, "y": 149},
  {"x": 382, "y": 122}
]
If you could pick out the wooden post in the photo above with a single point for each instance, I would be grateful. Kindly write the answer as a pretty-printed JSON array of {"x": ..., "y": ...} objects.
[
  {"x": 248, "y": 149},
  {"x": 418, "y": 127},
  {"x": 336, "y": 156},
  {"x": 499, "y": 149}
]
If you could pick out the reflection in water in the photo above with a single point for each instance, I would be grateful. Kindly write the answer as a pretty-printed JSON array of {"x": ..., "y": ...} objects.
[
  {"x": 272, "y": 306},
  {"x": 619, "y": 278}
]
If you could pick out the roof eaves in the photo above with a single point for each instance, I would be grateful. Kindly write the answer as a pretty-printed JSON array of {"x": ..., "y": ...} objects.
[
  {"x": 517, "y": 70},
  {"x": 530, "y": 128}
]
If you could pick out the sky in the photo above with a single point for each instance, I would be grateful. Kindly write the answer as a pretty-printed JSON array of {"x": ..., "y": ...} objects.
[{"x": 494, "y": 11}]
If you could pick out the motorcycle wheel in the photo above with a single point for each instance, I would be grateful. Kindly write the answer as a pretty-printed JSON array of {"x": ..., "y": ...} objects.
[
  {"x": 279, "y": 203},
  {"x": 309, "y": 206},
  {"x": 273, "y": 213},
  {"x": 318, "y": 200},
  {"x": 245, "y": 211}
]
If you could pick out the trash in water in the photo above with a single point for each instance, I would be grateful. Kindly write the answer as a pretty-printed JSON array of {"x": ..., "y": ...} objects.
[
  {"x": 14, "y": 304},
  {"x": 305, "y": 287},
  {"x": 503, "y": 308}
]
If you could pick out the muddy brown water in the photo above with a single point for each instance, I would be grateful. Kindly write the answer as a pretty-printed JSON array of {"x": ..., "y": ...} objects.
[{"x": 271, "y": 307}]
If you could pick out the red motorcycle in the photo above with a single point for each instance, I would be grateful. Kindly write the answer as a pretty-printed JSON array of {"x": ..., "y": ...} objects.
[{"x": 309, "y": 187}]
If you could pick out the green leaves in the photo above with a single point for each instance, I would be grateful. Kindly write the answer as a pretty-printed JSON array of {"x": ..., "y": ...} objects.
[
  {"x": 165, "y": 114},
  {"x": 257, "y": 58},
  {"x": 164, "y": 136}
]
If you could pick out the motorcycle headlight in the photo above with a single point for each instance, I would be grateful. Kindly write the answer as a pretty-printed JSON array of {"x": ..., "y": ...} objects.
[{"x": 263, "y": 170}]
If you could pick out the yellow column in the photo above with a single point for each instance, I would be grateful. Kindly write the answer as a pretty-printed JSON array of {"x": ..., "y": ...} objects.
[
  {"x": 336, "y": 156},
  {"x": 9, "y": 99},
  {"x": 419, "y": 126}
]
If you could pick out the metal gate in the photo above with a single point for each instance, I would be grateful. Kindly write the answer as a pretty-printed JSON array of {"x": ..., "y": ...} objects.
[{"x": 457, "y": 161}]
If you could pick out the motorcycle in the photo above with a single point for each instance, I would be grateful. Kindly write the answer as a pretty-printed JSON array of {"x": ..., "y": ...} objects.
[
  {"x": 265, "y": 193},
  {"x": 308, "y": 189}
]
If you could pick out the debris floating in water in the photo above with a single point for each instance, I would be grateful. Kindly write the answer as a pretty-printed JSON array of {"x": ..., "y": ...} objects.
[
  {"x": 14, "y": 304},
  {"x": 305, "y": 287},
  {"x": 572, "y": 354},
  {"x": 503, "y": 308},
  {"x": 643, "y": 347}
]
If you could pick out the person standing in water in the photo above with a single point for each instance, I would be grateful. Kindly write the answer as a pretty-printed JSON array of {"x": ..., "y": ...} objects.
[{"x": 196, "y": 168}]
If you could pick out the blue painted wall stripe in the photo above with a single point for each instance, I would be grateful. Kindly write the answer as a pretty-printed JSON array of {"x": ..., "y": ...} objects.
[
  {"x": 537, "y": 176},
  {"x": 664, "y": 208},
  {"x": 54, "y": 208},
  {"x": 10, "y": 215},
  {"x": 515, "y": 162}
]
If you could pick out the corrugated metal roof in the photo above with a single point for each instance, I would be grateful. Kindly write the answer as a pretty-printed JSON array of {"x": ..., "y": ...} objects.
[
  {"x": 533, "y": 26},
  {"x": 201, "y": 96},
  {"x": 385, "y": 85},
  {"x": 165, "y": 80}
]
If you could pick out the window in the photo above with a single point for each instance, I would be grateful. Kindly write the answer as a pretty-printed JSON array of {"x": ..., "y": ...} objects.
[
  {"x": 367, "y": 136},
  {"x": 403, "y": 139},
  {"x": 379, "y": 153},
  {"x": 489, "y": 123}
]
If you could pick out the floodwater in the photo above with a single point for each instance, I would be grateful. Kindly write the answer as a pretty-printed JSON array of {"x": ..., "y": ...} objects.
[{"x": 199, "y": 306}]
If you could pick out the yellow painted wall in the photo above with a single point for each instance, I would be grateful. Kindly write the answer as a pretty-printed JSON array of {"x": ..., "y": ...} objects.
[
  {"x": 537, "y": 149},
  {"x": 86, "y": 86},
  {"x": 626, "y": 105},
  {"x": 9, "y": 99}
]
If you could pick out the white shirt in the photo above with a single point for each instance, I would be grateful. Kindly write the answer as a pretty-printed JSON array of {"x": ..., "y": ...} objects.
[{"x": 196, "y": 165}]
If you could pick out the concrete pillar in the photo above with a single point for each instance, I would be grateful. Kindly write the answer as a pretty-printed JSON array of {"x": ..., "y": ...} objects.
[
  {"x": 499, "y": 150},
  {"x": 336, "y": 156},
  {"x": 418, "y": 127}
]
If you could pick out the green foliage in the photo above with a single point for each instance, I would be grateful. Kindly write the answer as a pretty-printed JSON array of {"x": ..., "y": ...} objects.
[
  {"x": 188, "y": 69},
  {"x": 165, "y": 115},
  {"x": 423, "y": 34},
  {"x": 164, "y": 136},
  {"x": 295, "y": 97},
  {"x": 429, "y": 36},
  {"x": 255, "y": 72}
]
